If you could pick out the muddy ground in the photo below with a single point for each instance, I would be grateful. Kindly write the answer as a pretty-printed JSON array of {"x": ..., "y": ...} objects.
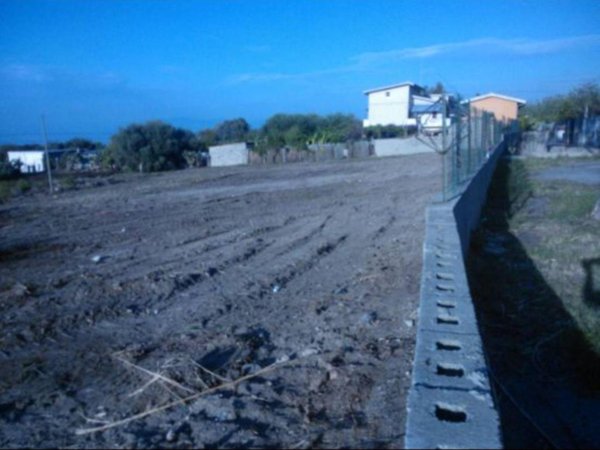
[{"x": 205, "y": 275}]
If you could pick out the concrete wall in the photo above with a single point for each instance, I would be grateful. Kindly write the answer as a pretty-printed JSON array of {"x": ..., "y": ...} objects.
[
  {"x": 390, "y": 107},
  {"x": 31, "y": 161},
  {"x": 228, "y": 155},
  {"x": 467, "y": 209},
  {"x": 400, "y": 146},
  {"x": 450, "y": 403}
]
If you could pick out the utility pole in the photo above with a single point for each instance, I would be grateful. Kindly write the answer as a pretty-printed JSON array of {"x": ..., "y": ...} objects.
[
  {"x": 47, "y": 153},
  {"x": 444, "y": 140}
]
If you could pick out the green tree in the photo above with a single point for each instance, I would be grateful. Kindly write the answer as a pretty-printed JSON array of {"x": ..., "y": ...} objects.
[
  {"x": 570, "y": 106},
  {"x": 149, "y": 147},
  {"x": 235, "y": 130},
  {"x": 82, "y": 144},
  {"x": 298, "y": 130},
  {"x": 437, "y": 89},
  {"x": 207, "y": 137},
  {"x": 341, "y": 127}
]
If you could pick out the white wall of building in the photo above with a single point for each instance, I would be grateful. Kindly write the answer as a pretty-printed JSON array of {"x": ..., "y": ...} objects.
[
  {"x": 32, "y": 161},
  {"x": 390, "y": 107},
  {"x": 228, "y": 155}
]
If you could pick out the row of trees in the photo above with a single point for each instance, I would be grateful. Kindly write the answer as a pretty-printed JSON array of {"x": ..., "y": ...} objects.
[
  {"x": 580, "y": 101},
  {"x": 74, "y": 144},
  {"x": 156, "y": 146},
  {"x": 159, "y": 146}
]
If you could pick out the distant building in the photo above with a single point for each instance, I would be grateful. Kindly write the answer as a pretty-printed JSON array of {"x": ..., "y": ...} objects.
[
  {"x": 31, "y": 161},
  {"x": 404, "y": 104},
  {"x": 229, "y": 154},
  {"x": 503, "y": 107},
  {"x": 34, "y": 161}
]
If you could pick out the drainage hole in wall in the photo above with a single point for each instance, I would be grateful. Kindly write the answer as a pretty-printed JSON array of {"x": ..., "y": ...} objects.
[
  {"x": 443, "y": 255},
  {"x": 444, "y": 276},
  {"x": 446, "y": 303},
  {"x": 450, "y": 370},
  {"x": 448, "y": 345},
  {"x": 444, "y": 287},
  {"x": 450, "y": 413},
  {"x": 447, "y": 319}
]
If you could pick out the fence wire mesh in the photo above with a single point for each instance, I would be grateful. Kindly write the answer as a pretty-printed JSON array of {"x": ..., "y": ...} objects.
[{"x": 467, "y": 141}]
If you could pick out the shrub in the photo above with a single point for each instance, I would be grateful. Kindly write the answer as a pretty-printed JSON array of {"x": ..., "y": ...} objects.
[
  {"x": 9, "y": 170},
  {"x": 23, "y": 185}
]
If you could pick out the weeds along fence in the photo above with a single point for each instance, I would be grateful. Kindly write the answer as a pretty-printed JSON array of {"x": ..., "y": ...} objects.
[{"x": 467, "y": 143}]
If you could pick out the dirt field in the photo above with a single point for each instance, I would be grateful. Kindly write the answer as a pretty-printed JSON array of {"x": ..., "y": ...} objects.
[{"x": 204, "y": 275}]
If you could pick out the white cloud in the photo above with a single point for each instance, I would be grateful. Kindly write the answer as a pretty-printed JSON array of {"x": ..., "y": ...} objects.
[
  {"x": 24, "y": 72},
  {"x": 257, "y": 76},
  {"x": 49, "y": 76},
  {"x": 477, "y": 46},
  {"x": 371, "y": 60}
]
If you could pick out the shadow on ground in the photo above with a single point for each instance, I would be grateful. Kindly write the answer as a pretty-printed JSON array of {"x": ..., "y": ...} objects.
[
  {"x": 591, "y": 292},
  {"x": 545, "y": 376}
]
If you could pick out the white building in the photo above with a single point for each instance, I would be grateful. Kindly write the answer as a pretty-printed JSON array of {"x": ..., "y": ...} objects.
[
  {"x": 404, "y": 104},
  {"x": 32, "y": 161},
  {"x": 229, "y": 154},
  {"x": 390, "y": 105}
]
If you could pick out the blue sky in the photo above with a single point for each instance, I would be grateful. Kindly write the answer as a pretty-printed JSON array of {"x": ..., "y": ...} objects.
[{"x": 95, "y": 65}]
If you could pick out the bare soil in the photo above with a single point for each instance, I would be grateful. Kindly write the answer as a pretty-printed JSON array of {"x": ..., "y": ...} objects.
[{"x": 228, "y": 270}]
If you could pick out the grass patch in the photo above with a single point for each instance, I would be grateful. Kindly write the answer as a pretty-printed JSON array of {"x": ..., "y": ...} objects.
[
  {"x": 68, "y": 182},
  {"x": 537, "y": 297},
  {"x": 569, "y": 201},
  {"x": 23, "y": 185},
  {"x": 5, "y": 190},
  {"x": 26, "y": 184},
  {"x": 568, "y": 237}
]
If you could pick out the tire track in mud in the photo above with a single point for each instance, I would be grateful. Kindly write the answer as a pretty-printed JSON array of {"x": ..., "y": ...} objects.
[
  {"x": 200, "y": 246},
  {"x": 157, "y": 286},
  {"x": 297, "y": 269},
  {"x": 303, "y": 240},
  {"x": 214, "y": 268},
  {"x": 385, "y": 227}
]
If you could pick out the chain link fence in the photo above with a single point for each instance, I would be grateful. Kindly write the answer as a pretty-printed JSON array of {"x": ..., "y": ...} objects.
[{"x": 467, "y": 141}]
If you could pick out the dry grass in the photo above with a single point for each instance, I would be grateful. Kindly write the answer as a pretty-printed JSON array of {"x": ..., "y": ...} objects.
[{"x": 192, "y": 394}]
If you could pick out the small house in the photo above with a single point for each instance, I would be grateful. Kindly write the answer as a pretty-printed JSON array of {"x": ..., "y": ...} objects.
[
  {"x": 391, "y": 105},
  {"x": 503, "y": 107},
  {"x": 406, "y": 104}
]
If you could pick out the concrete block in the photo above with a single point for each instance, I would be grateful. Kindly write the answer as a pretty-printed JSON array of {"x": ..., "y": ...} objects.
[
  {"x": 449, "y": 361},
  {"x": 450, "y": 404},
  {"x": 455, "y": 316},
  {"x": 444, "y": 418},
  {"x": 228, "y": 155}
]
